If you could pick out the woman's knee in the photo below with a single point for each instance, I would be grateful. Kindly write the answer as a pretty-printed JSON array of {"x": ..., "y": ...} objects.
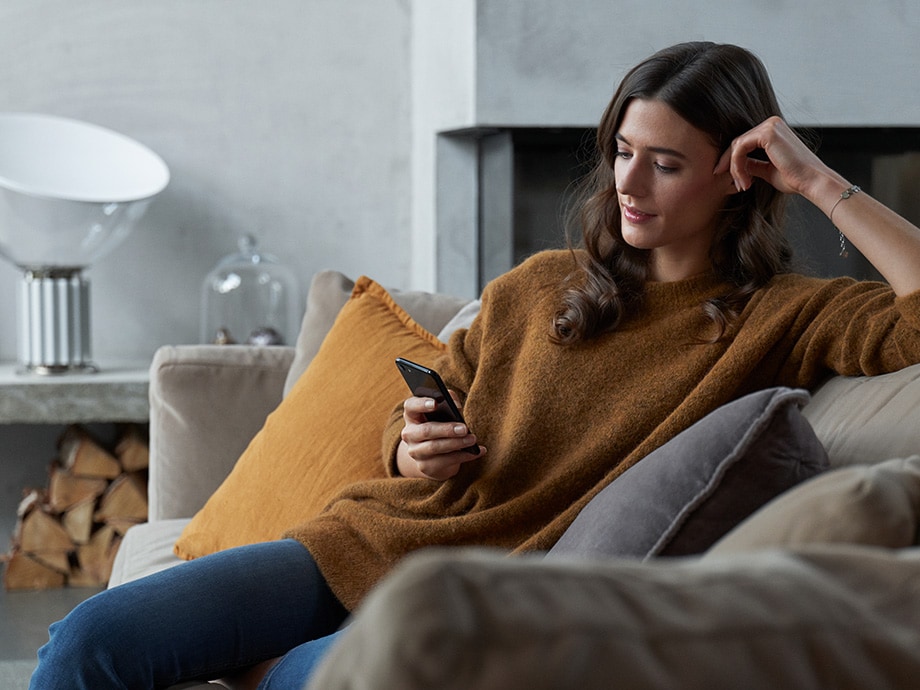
[{"x": 84, "y": 649}]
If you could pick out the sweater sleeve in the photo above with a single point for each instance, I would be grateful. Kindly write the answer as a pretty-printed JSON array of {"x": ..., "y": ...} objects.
[
  {"x": 457, "y": 372},
  {"x": 855, "y": 328},
  {"x": 459, "y": 364}
]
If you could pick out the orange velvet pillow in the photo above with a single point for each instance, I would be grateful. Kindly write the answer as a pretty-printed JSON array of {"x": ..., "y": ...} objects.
[{"x": 325, "y": 434}]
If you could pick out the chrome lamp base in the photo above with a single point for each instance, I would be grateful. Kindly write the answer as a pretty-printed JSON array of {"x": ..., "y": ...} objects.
[{"x": 54, "y": 322}]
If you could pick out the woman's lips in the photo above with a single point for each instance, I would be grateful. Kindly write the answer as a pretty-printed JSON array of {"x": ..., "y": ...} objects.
[{"x": 634, "y": 215}]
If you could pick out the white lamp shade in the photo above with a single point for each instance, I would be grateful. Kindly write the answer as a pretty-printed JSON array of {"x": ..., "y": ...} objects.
[{"x": 69, "y": 191}]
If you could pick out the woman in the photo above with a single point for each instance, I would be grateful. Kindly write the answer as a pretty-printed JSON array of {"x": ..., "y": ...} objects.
[{"x": 580, "y": 364}]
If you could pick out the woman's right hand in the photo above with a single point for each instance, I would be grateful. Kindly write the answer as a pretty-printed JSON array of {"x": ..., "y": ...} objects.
[{"x": 432, "y": 450}]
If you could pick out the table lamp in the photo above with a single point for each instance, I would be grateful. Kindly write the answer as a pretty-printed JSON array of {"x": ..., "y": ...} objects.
[{"x": 70, "y": 191}]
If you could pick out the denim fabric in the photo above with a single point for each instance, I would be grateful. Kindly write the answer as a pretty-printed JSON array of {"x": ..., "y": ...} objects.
[
  {"x": 295, "y": 668},
  {"x": 199, "y": 620}
]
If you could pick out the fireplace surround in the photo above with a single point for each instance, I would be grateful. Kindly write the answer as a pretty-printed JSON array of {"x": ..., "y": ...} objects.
[{"x": 502, "y": 193}]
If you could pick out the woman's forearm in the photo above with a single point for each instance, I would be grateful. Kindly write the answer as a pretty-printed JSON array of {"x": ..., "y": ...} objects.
[{"x": 890, "y": 242}]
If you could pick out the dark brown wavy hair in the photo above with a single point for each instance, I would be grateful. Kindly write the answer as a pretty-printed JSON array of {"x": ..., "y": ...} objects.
[{"x": 724, "y": 91}]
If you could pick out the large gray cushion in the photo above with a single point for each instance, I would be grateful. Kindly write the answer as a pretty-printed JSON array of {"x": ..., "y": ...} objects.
[
  {"x": 689, "y": 492},
  {"x": 811, "y": 619}
]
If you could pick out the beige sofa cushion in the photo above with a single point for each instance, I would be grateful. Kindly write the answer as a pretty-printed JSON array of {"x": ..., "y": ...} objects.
[
  {"x": 842, "y": 617},
  {"x": 147, "y": 549},
  {"x": 870, "y": 419},
  {"x": 876, "y": 505}
]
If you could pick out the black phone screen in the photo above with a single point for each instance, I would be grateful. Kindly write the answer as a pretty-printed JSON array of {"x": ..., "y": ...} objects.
[{"x": 426, "y": 383}]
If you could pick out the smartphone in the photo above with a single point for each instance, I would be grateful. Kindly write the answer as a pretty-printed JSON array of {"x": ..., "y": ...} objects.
[{"x": 427, "y": 383}]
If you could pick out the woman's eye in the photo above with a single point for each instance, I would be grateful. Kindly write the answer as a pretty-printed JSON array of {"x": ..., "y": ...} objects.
[
  {"x": 622, "y": 154},
  {"x": 665, "y": 168}
]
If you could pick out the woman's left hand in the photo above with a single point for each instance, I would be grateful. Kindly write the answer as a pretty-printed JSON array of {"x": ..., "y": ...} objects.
[
  {"x": 791, "y": 167},
  {"x": 888, "y": 240}
]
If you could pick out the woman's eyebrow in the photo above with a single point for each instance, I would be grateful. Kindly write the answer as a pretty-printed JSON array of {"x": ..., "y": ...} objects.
[{"x": 655, "y": 149}]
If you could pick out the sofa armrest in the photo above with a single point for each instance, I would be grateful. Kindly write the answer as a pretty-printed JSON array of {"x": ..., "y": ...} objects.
[{"x": 206, "y": 404}]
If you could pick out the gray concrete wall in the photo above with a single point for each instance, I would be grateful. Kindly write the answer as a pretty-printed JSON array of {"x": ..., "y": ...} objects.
[
  {"x": 289, "y": 119},
  {"x": 832, "y": 61},
  {"x": 313, "y": 122}
]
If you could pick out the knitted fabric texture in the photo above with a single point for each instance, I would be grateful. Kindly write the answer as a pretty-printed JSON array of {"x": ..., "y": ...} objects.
[{"x": 562, "y": 422}]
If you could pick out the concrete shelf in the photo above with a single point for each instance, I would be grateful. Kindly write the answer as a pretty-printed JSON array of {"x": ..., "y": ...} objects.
[{"x": 116, "y": 393}]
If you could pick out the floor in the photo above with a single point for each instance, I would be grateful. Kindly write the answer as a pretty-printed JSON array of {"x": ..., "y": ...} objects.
[{"x": 24, "y": 621}]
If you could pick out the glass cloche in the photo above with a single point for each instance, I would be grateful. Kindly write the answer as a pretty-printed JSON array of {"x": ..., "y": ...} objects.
[{"x": 250, "y": 298}]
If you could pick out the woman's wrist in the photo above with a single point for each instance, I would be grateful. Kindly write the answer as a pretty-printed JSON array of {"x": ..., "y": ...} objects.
[{"x": 825, "y": 189}]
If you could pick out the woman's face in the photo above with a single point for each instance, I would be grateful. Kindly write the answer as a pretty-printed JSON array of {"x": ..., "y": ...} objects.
[{"x": 668, "y": 194}]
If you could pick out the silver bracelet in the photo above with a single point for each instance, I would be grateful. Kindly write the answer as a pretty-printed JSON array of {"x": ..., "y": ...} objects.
[{"x": 845, "y": 194}]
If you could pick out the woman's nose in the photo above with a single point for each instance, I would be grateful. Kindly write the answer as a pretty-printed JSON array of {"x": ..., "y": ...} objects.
[{"x": 628, "y": 178}]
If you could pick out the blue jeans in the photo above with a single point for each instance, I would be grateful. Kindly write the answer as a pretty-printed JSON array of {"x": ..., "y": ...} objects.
[{"x": 199, "y": 620}]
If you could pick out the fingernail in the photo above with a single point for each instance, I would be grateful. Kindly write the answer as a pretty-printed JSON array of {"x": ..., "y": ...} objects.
[
  {"x": 429, "y": 404},
  {"x": 460, "y": 430}
]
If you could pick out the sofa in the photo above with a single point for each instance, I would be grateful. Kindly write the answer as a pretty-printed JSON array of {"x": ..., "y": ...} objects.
[{"x": 814, "y": 585}]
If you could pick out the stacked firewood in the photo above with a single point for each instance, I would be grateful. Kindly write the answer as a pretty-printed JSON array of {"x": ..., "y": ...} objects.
[{"x": 68, "y": 533}]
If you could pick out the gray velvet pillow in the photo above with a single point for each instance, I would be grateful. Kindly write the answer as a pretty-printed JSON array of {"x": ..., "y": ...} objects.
[{"x": 688, "y": 493}]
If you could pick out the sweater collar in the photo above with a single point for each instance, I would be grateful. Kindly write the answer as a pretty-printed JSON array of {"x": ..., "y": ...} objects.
[{"x": 688, "y": 292}]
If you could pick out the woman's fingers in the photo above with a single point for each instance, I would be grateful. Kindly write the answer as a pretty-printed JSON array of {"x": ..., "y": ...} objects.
[{"x": 788, "y": 161}]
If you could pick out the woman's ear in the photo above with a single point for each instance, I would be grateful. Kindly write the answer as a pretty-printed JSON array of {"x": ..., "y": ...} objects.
[
  {"x": 723, "y": 171},
  {"x": 727, "y": 183}
]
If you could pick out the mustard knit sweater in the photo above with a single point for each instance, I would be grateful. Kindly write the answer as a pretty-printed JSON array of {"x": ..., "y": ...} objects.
[{"x": 562, "y": 422}]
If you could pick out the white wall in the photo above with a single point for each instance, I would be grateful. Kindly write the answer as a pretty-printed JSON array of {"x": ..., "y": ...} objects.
[{"x": 288, "y": 118}]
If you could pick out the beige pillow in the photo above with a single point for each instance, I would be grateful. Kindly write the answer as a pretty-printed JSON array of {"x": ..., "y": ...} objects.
[
  {"x": 875, "y": 505},
  {"x": 329, "y": 291},
  {"x": 863, "y": 420}
]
